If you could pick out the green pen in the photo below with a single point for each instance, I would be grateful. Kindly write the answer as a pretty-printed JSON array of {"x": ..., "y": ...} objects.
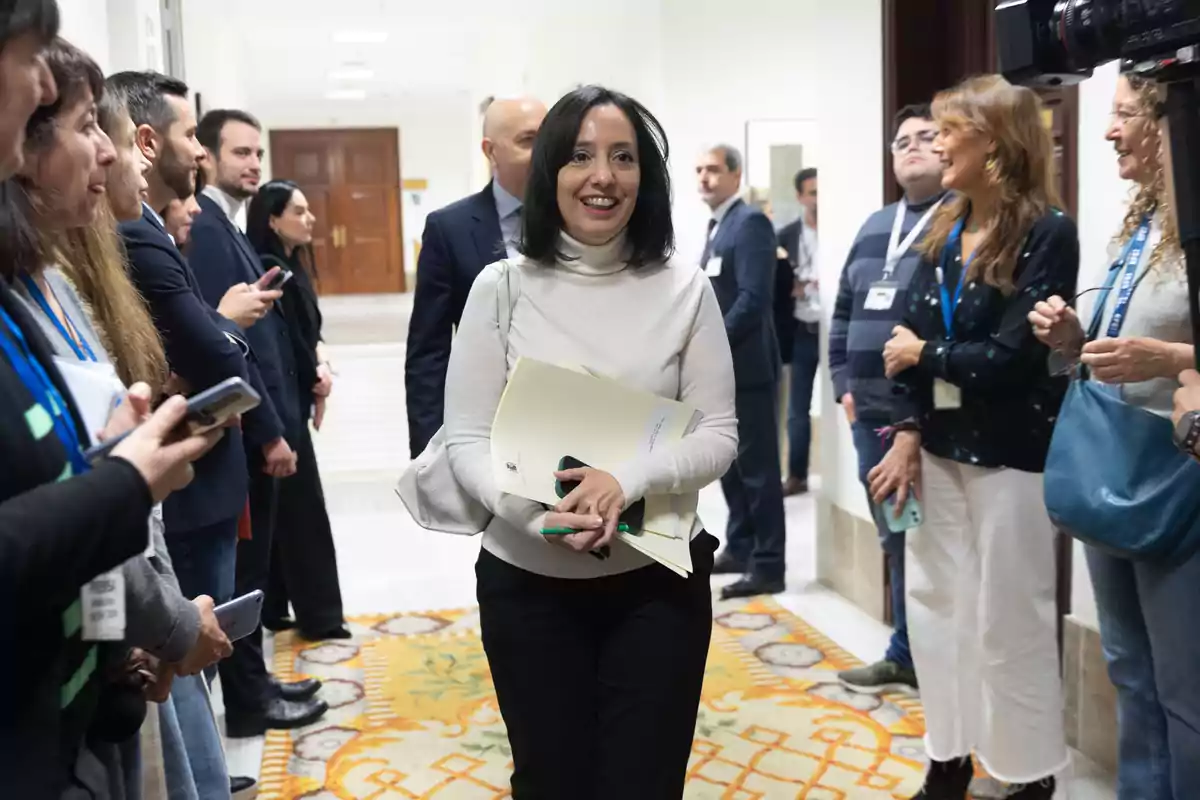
[{"x": 621, "y": 528}]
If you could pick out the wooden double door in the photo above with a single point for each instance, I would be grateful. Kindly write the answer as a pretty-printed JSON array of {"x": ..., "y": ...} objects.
[{"x": 351, "y": 178}]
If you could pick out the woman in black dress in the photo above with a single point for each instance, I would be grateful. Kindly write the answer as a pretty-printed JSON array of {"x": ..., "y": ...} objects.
[{"x": 303, "y": 562}]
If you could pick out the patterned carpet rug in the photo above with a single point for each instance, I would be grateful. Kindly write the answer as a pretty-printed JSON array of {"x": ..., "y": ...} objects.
[{"x": 413, "y": 715}]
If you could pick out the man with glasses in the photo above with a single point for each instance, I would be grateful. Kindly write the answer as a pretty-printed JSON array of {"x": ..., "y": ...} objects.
[{"x": 870, "y": 302}]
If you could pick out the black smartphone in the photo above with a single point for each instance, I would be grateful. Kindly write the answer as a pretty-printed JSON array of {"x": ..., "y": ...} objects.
[
  {"x": 634, "y": 516},
  {"x": 207, "y": 411},
  {"x": 564, "y": 488}
]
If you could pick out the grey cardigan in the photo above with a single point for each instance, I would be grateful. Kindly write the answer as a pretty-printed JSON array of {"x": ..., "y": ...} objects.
[{"x": 158, "y": 618}]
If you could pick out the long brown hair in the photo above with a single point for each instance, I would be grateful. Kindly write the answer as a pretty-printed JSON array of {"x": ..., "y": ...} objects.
[
  {"x": 94, "y": 260},
  {"x": 1150, "y": 197},
  {"x": 1022, "y": 169}
]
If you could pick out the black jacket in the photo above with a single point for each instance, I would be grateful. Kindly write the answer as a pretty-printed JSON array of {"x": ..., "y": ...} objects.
[
  {"x": 459, "y": 241},
  {"x": 745, "y": 242},
  {"x": 201, "y": 353},
  {"x": 55, "y": 536},
  {"x": 302, "y": 311},
  {"x": 1009, "y": 399},
  {"x": 221, "y": 256}
]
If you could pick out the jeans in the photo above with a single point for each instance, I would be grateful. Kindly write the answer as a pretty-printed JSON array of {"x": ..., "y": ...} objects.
[
  {"x": 193, "y": 758},
  {"x": 871, "y": 450},
  {"x": 204, "y": 564},
  {"x": 1148, "y": 615},
  {"x": 805, "y": 358}
]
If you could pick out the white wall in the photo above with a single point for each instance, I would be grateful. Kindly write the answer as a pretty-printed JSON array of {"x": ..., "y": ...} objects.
[
  {"x": 134, "y": 34},
  {"x": 85, "y": 25}
]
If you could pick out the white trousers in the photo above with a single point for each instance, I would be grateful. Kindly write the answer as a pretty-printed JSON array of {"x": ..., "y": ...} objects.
[{"x": 982, "y": 620}]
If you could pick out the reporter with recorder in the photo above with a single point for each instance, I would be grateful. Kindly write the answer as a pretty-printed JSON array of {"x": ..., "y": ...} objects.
[{"x": 1140, "y": 342}]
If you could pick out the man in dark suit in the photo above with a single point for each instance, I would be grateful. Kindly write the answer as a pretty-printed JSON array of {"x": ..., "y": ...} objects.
[
  {"x": 799, "y": 240},
  {"x": 739, "y": 257},
  {"x": 203, "y": 346},
  {"x": 222, "y": 259},
  {"x": 459, "y": 241}
]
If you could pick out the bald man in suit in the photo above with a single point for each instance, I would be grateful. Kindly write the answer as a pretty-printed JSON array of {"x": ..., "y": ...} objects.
[{"x": 459, "y": 241}]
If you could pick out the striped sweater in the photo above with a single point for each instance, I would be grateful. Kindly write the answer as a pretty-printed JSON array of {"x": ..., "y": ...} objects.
[{"x": 857, "y": 336}]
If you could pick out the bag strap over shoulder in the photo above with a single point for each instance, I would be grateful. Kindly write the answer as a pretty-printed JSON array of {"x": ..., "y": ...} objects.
[{"x": 508, "y": 290}]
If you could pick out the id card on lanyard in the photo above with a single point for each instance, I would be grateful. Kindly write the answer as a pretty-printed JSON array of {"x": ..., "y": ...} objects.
[
  {"x": 102, "y": 599},
  {"x": 881, "y": 296},
  {"x": 947, "y": 396}
]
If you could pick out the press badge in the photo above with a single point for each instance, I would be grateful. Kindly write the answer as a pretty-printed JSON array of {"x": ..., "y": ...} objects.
[
  {"x": 946, "y": 396},
  {"x": 880, "y": 297},
  {"x": 713, "y": 268},
  {"x": 103, "y": 607}
]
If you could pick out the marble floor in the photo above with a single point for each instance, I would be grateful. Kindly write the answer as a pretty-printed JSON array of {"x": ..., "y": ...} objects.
[{"x": 387, "y": 563}]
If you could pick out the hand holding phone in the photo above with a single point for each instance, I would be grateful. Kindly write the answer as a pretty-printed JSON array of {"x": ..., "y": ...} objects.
[
  {"x": 202, "y": 413},
  {"x": 160, "y": 450},
  {"x": 907, "y": 518}
]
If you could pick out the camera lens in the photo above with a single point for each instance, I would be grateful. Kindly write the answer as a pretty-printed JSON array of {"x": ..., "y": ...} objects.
[{"x": 1088, "y": 30}]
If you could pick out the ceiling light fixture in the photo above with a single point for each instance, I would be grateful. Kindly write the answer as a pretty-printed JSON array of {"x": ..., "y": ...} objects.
[
  {"x": 360, "y": 37},
  {"x": 347, "y": 94},
  {"x": 352, "y": 74}
]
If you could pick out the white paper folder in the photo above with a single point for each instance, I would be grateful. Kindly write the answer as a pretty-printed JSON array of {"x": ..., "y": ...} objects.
[{"x": 548, "y": 412}]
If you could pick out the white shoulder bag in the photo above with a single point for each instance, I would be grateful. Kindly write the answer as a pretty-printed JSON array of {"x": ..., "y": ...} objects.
[{"x": 428, "y": 487}]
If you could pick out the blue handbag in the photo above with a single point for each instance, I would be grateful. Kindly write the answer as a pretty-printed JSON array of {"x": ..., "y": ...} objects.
[{"x": 1114, "y": 478}]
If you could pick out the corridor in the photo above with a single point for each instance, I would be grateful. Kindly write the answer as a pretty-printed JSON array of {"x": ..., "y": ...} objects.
[{"x": 389, "y": 565}]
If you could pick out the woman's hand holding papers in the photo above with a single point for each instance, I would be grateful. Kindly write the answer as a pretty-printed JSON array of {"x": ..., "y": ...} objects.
[{"x": 598, "y": 493}]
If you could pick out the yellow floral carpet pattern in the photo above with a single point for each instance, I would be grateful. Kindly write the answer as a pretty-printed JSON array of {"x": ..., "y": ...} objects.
[{"x": 413, "y": 715}]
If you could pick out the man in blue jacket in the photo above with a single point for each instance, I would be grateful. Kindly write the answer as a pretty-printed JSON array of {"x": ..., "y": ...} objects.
[
  {"x": 459, "y": 241},
  {"x": 739, "y": 258},
  {"x": 223, "y": 260}
]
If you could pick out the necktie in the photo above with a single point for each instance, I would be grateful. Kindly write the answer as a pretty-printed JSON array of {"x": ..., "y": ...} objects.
[{"x": 708, "y": 243}]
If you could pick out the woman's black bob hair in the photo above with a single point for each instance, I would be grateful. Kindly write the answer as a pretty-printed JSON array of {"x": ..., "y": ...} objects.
[{"x": 650, "y": 232}]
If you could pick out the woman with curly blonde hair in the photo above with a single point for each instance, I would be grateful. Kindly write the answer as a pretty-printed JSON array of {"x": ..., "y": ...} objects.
[
  {"x": 973, "y": 416},
  {"x": 1147, "y": 609}
]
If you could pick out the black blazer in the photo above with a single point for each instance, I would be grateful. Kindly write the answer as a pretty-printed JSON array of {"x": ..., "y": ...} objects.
[
  {"x": 785, "y": 281},
  {"x": 459, "y": 241},
  {"x": 221, "y": 256},
  {"x": 745, "y": 289},
  {"x": 54, "y": 537},
  {"x": 201, "y": 353}
]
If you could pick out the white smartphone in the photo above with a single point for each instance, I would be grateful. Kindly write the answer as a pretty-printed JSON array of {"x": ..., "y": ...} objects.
[
  {"x": 278, "y": 281},
  {"x": 207, "y": 410},
  {"x": 240, "y": 617}
]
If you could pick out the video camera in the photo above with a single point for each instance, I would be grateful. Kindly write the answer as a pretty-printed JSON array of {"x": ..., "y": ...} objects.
[{"x": 1058, "y": 42}]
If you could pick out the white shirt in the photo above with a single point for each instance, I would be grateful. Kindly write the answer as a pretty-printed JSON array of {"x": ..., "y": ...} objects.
[
  {"x": 657, "y": 328},
  {"x": 808, "y": 307},
  {"x": 226, "y": 202}
]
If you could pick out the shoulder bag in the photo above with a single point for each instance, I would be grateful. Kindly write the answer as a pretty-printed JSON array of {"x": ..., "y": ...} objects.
[{"x": 428, "y": 488}]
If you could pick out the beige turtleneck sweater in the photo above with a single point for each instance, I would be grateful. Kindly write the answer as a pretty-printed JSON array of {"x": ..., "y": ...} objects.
[{"x": 656, "y": 328}]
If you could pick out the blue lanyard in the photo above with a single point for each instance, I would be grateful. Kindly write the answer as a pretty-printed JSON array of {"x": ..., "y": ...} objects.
[
  {"x": 44, "y": 392},
  {"x": 1130, "y": 260},
  {"x": 35, "y": 292},
  {"x": 949, "y": 305}
]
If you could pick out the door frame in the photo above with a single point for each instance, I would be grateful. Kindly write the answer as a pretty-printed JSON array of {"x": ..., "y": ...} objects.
[{"x": 966, "y": 23}]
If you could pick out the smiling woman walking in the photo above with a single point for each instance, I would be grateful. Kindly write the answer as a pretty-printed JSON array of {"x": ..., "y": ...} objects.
[{"x": 597, "y": 663}]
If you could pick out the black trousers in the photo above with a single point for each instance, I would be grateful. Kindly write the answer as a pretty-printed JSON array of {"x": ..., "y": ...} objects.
[
  {"x": 757, "y": 532},
  {"x": 303, "y": 558},
  {"x": 245, "y": 681},
  {"x": 598, "y": 680}
]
